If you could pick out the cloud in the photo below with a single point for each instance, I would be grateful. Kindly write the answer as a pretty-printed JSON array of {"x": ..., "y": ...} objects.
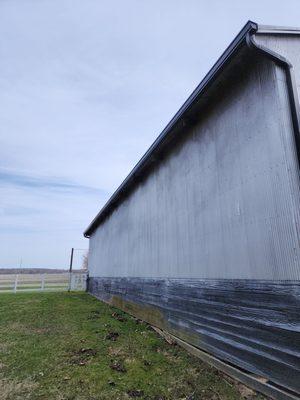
[
  {"x": 43, "y": 217},
  {"x": 85, "y": 88},
  {"x": 46, "y": 183}
]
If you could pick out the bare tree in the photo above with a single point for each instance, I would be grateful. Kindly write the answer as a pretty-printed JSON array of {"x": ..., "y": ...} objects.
[{"x": 85, "y": 261}]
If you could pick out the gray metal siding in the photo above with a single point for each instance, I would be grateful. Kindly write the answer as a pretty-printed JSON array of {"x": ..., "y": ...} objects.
[
  {"x": 223, "y": 204},
  {"x": 287, "y": 46}
]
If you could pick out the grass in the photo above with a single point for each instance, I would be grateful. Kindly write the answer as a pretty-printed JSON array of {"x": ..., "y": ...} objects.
[{"x": 72, "y": 346}]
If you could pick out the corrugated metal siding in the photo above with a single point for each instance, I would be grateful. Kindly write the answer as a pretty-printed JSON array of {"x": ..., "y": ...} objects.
[
  {"x": 207, "y": 246},
  {"x": 287, "y": 46},
  {"x": 224, "y": 203},
  {"x": 249, "y": 323}
]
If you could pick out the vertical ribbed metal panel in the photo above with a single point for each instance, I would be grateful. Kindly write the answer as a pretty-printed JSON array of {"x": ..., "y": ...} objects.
[
  {"x": 224, "y": 203},
  {"x": 287, "y": 46}
]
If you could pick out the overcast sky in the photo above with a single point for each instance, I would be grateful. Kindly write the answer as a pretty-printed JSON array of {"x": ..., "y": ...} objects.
[{"x": 85, "y": 88}]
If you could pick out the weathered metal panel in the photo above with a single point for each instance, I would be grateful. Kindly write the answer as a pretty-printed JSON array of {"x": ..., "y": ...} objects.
[
  {"x": 250, "y": 323},
  {"x": 224, "y": 203},
  {"x": 287, "y": 46},
  {"x": 206, "y": 246}
]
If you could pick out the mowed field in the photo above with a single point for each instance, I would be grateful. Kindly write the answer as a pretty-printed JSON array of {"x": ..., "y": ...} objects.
[{"x": 71, "y": 346}]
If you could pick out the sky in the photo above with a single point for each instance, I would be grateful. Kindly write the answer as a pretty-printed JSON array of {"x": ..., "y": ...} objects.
[{"x": 85, "y": 88}]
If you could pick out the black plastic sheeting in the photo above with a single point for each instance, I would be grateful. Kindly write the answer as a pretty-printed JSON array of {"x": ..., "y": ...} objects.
[{"x": 252, "y": 324}]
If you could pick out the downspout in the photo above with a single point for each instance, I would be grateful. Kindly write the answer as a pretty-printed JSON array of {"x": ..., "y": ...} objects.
[{"x": 291, "y": 84}]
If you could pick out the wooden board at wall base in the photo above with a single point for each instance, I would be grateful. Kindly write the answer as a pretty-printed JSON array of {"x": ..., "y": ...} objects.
[{"x": 259, "y": 384}]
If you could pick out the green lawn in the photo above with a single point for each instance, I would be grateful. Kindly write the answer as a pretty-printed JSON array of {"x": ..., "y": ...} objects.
[{"x": 72, "y": 346}]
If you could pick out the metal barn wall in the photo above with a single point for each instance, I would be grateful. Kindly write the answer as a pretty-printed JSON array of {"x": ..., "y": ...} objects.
[
  {"x": 287, "y": 46},
  {"x": 223, "y": 204},
  {"x": 207, "y": 246}
]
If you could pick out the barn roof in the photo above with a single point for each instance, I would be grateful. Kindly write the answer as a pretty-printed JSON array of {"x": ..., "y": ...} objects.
[{"x": 181, "y": 119}]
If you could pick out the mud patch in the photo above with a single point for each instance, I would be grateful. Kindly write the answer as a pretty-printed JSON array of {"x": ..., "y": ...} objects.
[
  {"x": 113, "y": 336},
  {"x": 118, "y": 317},
  {"x": 117, "y": 366},
  {"x": 135, "y": 393},
  {"x": 83, "y": 356}
]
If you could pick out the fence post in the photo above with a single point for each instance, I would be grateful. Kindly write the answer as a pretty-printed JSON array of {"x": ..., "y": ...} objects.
[
  {"x": 70, "y": 269},
  {"x": 43, "y": 282},
  {"x": 70, "y": 281},
  {"x": 16, "y": 284}
]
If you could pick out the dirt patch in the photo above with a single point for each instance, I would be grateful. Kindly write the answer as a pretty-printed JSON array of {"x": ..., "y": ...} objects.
[
  {"x": 146, "y": 363},
  {"x": 18, "y": 327},
  {"x": 41, "y": 331},
  {"x": 246, "y": 392},
  {"x": 116, "y": 351},
  {"x": 118, "y": 317},
  {"x": 14, "y": 390},
  {"x": 83, "y": 356},
  {"x": 117, "y": 366},
  {"x": 135, "y": 393},
  {"x": 88, "y": 352},
  {"x": 112, "y": 336},
  {"x": 4, "y": 347},
  {"x": 26, "y": 330}
]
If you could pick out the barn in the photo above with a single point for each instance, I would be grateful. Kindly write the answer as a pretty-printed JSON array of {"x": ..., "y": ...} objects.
[{"x": 202, "y": 237}]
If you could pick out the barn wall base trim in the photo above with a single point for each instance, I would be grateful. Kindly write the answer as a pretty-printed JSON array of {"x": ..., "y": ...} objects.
[{"x": 251, "y": 324}]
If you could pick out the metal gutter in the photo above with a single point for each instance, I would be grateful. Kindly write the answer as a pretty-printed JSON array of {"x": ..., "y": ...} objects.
[
  {"x": 291, "y": 83},
  {"x": 180, "y": 117},
  {"x": 278, "y": 30}
]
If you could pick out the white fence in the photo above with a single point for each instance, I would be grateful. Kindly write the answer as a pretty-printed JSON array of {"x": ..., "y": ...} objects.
[{"x": 42, "y": 282}]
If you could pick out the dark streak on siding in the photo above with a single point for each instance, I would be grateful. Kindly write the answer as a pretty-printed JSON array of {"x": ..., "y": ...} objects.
[{"x": 253, "y": 324}]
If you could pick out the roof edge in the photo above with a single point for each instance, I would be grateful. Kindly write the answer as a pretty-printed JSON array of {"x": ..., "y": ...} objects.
[
  {"x": 278, "y": 30},
  {"x": 250, "y": 27}
]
